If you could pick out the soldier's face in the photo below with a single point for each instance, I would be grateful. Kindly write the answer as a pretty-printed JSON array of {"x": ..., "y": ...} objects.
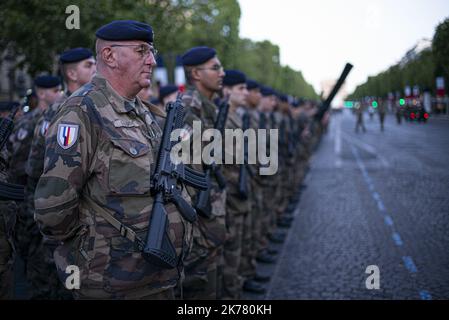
[
  {"x": 254, "y": 97},
  {"x": 264, "y": 104},
  {"x": 85, "y": 70},
  {"x": 135, "y": 62},
  {"x": 210, "y": 75},
  {"x": 50, "y": 96},
  {"x": 237, "y": 94},
  {"x": 170, "y": 98}
]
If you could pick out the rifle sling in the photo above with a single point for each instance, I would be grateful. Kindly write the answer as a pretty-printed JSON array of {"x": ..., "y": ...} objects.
[{"x": 124, "y": 230}]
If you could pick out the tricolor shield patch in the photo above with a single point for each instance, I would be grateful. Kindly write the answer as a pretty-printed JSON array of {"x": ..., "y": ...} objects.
[
  {"x": 67, "y": 135},
  {"x": 44, "y": 127}
]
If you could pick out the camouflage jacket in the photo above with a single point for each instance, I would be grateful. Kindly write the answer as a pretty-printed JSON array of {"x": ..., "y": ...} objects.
[
  {"x": 199, "y": 108},
  {"x": 100, "y": 154},
  {"x": 8, "y": 211},
  {"x": 21, "y": 140},
  {"x": 232, "y": 171},
  {"x": 35, "y": 163}
]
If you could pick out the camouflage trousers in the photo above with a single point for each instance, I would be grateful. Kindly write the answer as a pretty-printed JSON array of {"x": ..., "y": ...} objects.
[
  {"x": 40, "y": 268},
  {"x": 232, "y": 280},
  {"x": 253, "y": 240},
  {"x": 201, "y": 265},
  {"x": 259, "y": 239},
  {"x": 270, "y": 198},
  {"x": 7, "y": 222},
  {"x": 202, "y": 276}
]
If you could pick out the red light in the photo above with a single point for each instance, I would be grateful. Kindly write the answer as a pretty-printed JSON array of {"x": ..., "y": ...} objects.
[
  {"x": 412, "y": 115},
  {"x": 426, "y": 115}
]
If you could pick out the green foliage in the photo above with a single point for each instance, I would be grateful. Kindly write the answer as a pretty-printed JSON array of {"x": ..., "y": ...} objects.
[
  {"x": 35, "y": 32},
  {"x": 440, "y": 46}
]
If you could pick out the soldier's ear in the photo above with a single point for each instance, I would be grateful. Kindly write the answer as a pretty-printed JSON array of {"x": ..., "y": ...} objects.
[
  {"x": 72, "y": 74},
  {"x": 195, "y": 74},
  {"x": 109, "y": 57}
]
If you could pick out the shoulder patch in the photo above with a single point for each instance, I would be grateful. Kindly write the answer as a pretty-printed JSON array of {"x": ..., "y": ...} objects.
[
  {"x": 44, "y": 128},
  {"x": 22, "y": 134},
  {"x": 67, "y": 135}
]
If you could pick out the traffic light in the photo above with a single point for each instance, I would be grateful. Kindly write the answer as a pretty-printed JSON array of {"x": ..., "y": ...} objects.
[
  {"x": 401, "y": 102},
  {"x": 374, "y": 104}
]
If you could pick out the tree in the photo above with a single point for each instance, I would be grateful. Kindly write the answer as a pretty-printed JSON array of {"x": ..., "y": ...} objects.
[
  {"x": 440, "y": 45},
  {"x": 34, "y": 33}
]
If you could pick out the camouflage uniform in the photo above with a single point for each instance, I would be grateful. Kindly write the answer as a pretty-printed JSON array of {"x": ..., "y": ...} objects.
[
  {"x": 252, "y": 223},
  {"x": 274, "y": 192},
  {"x": 268, "y": 185},
  {"x": 48, "y": 284},
  {"x": 236, "y": 211},
  {"x": 286, "y": 152},
  {"x": 27, "y": 237},
  {"x": 100, "y": 153},
  {"x": 7, "y": 221},
  {"x": 202, "y": 270}
]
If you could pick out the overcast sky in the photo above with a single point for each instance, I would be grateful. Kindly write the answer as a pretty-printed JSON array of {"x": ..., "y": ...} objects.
[{"x": 317, "y": 37}]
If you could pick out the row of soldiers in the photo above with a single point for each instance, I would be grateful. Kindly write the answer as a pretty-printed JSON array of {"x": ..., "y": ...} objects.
[{"x": 86, "y": 158}]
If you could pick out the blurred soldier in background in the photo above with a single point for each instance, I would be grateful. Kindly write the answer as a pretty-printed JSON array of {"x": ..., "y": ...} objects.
[
  {"x": 78, "y": 68},
  {"x": 27, "y": 236},
  {"x": 204, "y": 74}
]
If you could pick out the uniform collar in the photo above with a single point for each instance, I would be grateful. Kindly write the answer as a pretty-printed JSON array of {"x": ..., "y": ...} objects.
[{"x": 118, "y": 103}]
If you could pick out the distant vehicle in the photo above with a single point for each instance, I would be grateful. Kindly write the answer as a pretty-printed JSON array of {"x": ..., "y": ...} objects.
[{"x": 416, "y": 113}]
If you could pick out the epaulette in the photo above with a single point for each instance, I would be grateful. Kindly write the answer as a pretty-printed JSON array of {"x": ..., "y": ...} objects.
[{"x": 81, "y": 92}]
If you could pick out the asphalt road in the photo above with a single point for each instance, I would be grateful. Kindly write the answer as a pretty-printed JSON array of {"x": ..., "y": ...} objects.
[{"x": 372, "y": 199}]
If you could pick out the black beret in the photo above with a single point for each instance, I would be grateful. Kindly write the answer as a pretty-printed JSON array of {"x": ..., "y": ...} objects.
[
  {"x": 47, "y": 82},
  {"x": 267, "y": 91},
  {"x": 198, "y": 55},
  {"x": 122, "y": 30},
  {"x": 233, "y": 77},
  {"x": 251, "y": 84},
  {"x": 283, "y": 97},
  {"x": 8, "y": 105},
  {"x": 75, "y": 55},
  {"x": 166, "y": 91}
]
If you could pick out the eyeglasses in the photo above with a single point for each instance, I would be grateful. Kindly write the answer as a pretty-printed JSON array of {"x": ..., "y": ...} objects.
[
  {"x": 216, "y": 68},
  {"x": 143, "y": 50}
]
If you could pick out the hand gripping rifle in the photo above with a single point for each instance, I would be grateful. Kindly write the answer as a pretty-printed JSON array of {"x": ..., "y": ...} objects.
[
  {"x": 9, "y": 191},
  {"x": 203, "y": 205},
  {"x": 158, "y": 248}
]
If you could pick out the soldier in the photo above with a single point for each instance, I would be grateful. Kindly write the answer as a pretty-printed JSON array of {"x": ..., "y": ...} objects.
[
  {"x": 382, "y": 110},
  {"x": 27, "y": 236},
  {"x": 94, "y": 194},
  {"x": 168, "y": 93},
  {"x": 237, "y": 204},
  {"x": 286, "y": 152},
  {"x": 204, "y": 75},
  {"x": 253, "y": 225},
  {"x": 359, "y": 108},
  {"x": 7, "y": 222},
  {"x": 78, "y": 68},
  {"x": 265, "y": 107}
]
